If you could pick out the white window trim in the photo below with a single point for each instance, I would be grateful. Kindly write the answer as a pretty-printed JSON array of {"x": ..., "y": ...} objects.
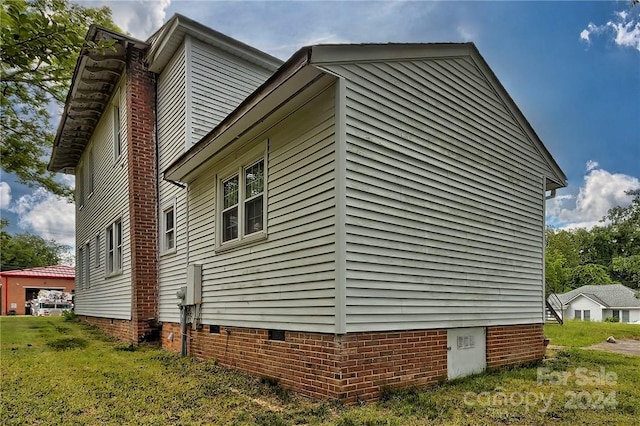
[
  {"x": 114, "y": 269},
  {"x": 260, "y": 152},
  {"x": 163, "y": 248}
]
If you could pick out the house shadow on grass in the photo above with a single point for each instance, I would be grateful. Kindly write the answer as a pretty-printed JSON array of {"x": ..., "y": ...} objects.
[{"x": 68, "y": 343}]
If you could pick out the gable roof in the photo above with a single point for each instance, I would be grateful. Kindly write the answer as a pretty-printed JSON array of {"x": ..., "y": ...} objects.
[
  {"x": 97, "y": 74},
  {"x": 304, "y": 68},
  {"x": 55, "y": 271},
  {"x": 607, "y": 295},
  {"x": 168, "y": 38}
]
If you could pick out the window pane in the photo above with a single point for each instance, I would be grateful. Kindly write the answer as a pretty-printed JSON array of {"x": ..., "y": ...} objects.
[
  {"x": 625, "y": 316},
  {"x": 118, "y": 263},
  {"x": 168, "y": 244},
  {"x": 587, "y": 315},
  {"x": 168, "y": 217},
  {"x": 110, "y": 239},
  {"x": 230, "y": 191},
  {"x": 577, "y": 314},
  {"x": 230, "y": 224},
  {"x": 254, "y": 179},
  {"x": 253, "y": 215}
]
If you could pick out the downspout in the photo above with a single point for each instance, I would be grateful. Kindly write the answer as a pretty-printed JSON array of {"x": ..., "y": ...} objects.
[
  {"x": 544, "y": 245},
  {"x": 183, "y": 330}
]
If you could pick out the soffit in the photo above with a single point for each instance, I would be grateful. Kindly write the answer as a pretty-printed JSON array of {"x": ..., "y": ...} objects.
[{"x": 94, "y": 80}]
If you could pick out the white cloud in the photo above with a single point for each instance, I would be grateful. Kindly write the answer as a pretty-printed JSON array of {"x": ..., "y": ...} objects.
[
  {"x": 624, "y": 28},
  {"x": 139, "y": 18},
  {"x": 584, "y": 35},
  {"x": 5, "y": 195},
  {"x": 46, "y": 215},
  {"x": 601, "y": 191},
  {"x": 591, "y": 165},
  {"x": 466, "y": 33}
]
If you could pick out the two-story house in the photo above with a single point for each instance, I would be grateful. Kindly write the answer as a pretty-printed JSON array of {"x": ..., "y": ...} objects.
[{"x": 358, "y": 217}]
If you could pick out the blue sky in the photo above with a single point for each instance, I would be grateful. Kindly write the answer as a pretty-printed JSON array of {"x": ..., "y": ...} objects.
[{"x": 573, "y": 68}]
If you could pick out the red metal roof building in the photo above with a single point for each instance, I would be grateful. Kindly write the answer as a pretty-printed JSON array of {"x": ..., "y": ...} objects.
[{"x": 21, "y": 286}]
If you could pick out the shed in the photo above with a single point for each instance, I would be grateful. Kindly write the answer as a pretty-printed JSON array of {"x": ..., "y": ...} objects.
[{"x": 22, "y": 285}]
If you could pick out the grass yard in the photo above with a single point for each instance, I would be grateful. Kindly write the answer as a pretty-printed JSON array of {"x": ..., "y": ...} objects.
[
  {"x": 57, "y": 372},
  {"x": 575, "y": 333}
]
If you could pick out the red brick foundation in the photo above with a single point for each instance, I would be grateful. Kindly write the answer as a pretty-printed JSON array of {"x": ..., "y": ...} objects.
[
  {"x": 120, "y": 329},
  {"x": 353, "y": 367},
  {"x": 514, "y": 345}
]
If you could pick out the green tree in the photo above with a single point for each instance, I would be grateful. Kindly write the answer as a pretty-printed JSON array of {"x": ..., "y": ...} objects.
[
  {"x": 627, "y": 270},
  {"x": 27, "y": 250},
  {"x": 556, "y": 273},
  {"x": 562, "y": 253},
  {"x": 590, "y": 274},
  {"x": 39, "y": 43}
]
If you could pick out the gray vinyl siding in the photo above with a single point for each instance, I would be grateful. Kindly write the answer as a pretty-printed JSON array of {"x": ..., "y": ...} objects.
[
  {"x": 198, "y": 88},
  {"x": 444, "y": 200},
  {"x": 288, "y": 281},
  {"x": 108, "y": 297},
  {"x": 219, "y": 82},
  {"x": 172, "y": 131}
]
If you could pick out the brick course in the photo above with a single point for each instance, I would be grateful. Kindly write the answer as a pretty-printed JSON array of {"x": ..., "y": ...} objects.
[
  {"x": 120, "y": 329},
  {"x": 514, "y": 345},
  {"x": 353, "y": 367}
]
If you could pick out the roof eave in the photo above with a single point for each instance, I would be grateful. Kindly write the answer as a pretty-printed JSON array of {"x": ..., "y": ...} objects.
[
  {"x": 192, "y": 158},
  {"x": 164, "y": 47},
  {"x": 99, "y": 72},
  {"x": 559, "y": 179}
]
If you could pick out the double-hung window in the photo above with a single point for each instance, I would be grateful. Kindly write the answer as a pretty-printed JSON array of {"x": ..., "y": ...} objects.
[
  {"x": 114, "y": 248},
  {"x": 168, "y": 234},
  {"x": 241, "y": 203}
]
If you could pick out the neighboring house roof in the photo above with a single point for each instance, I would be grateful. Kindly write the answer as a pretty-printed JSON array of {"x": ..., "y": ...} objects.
[
  {"x": 607, "y": 295},
  {"x": 305, "y": 68},
  {"x": 55, "y": 271}
]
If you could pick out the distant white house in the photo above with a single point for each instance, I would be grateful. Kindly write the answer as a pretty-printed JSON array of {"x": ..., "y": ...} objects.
[{"x": 599, "y": 302}]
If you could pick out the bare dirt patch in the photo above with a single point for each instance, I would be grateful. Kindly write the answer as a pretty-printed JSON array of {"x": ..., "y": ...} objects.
[{"x": 626, "y": 347}]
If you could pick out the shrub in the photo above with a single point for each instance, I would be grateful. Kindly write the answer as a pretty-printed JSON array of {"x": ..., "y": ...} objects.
[{"x": 69, "y": 316}]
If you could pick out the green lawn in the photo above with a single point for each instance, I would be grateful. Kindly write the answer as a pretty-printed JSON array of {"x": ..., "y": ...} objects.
[
  {"x": 57, "y": 372},
  {"x": 576, "y": 333}
]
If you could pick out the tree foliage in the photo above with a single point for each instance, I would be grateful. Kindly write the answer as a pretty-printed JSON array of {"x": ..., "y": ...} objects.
[
  {"x": 40, "y": 41},
  {"x": 589, "y": 274},
  {"x": 23, "y": 251},
  {"x": 605, "y": 254}
]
